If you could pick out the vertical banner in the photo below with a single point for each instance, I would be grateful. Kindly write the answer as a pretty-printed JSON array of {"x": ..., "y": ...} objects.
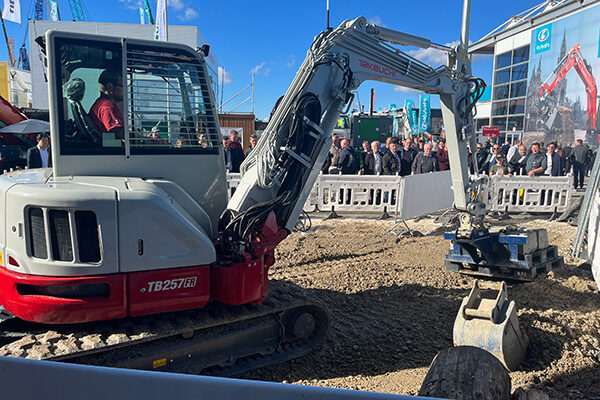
[
  {"x": 53, "y": 10},
  {"x": 12, "y": 11},
  {"x": 425, "y": 113},
  {"x": 142, "y": 15},
  {"x": 412, "y": 115},
  {"x": 160, "y": 30}
]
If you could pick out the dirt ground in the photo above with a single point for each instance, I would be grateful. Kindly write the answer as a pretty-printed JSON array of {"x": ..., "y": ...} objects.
[{"x": 393, "y": 307}]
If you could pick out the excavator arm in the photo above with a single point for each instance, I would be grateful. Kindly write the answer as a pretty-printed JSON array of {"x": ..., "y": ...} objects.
[
  {"x": 280, "y": 172},
  {"x": 574, "y": 59}
]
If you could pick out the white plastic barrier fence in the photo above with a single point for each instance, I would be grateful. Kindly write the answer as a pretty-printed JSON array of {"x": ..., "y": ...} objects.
[
  {"x": 233, "y": 181},
  {"x": 424, "y": 194},
  {"x": 530, "y": 194},
  {"x": 358, "y": 193}
]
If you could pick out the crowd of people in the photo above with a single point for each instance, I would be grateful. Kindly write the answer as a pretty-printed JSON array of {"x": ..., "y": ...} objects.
[
  {"x": 233, "y": 152},
  {"x": 417, "y": 156},
  {"x": 397, "y": 157},
  {"x": 538, "y": 159}
]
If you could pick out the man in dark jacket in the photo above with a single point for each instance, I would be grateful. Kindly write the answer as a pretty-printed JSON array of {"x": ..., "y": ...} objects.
[
  {"x": 425, "y": 162},
  {"x": 518, "y": 163},
  {"x": 391, "y": 159},
  {"x": 235, "y": 149},
  {"x": 482, "y": 157},
  {"x": 373, "y": 160},
  {"x": 348, "y": 162},
  {"x": 579, "y": 159},
  {"x": 536, "y": 162},
  {"x": 442, "y": 157},
  {"x": 553, "y": 161},
  {"x": 39, "y": 156},
  {"x": 407, "y": 156}
]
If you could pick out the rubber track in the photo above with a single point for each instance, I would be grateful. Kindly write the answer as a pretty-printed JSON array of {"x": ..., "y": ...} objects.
[{"x": 71, "y": 341}]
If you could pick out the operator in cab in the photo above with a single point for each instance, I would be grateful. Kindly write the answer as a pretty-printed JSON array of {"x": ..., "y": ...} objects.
[{"x": 105, "y": 113}]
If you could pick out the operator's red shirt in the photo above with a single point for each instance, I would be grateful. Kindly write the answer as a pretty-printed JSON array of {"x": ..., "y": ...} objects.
[{"x": 105, "y": 115}]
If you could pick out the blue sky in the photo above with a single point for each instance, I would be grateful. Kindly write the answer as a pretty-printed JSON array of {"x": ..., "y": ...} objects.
[{"x": 271, "y": 37}]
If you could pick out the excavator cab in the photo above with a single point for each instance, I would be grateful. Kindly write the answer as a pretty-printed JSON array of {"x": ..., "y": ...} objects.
[{"x": 124, "y": 221}]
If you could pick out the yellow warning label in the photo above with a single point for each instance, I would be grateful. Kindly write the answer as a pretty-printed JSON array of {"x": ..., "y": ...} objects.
[
  {"x": 159, "y": 363},
  {"x": 1, "y": 261}
]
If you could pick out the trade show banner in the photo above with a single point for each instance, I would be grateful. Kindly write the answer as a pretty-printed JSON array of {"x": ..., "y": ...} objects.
[
  {"x": 412, "y": 115},
  {"x": 561, "y": 102},
  {"x": 425, "y": 113}
]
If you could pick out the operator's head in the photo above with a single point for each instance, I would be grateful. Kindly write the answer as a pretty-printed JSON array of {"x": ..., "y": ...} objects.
[
  {"x": 110, "y": 84},
  {"x": 393, "y": 146},
  {"x": 427, "y": 148},
  {"x": 203, "y": 140},
  {"x": 522, "y": 150},
  {"x": 43, "y": 139},
  {"x": 535, "y": 148},
  {"x": 375, "y": 146},
  {"x": 345, "y": 142}
]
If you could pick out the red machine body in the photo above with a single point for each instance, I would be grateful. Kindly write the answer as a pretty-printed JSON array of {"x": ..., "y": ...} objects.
[{"x": 58, "y": 300}]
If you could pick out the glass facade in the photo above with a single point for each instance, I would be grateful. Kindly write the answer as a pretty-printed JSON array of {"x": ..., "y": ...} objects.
[{"x": 509, "y": 90}]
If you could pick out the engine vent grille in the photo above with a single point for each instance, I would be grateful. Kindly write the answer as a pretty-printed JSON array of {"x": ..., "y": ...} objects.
[
  {"x": 37, "y": 233},
  {"x": 63, "y": 226},
  {"x": 87, "y": 236}
]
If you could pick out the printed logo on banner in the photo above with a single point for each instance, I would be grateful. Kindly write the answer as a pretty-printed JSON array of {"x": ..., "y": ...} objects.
[
  {"x": 412, "y": 115},
  {"x": 543, "y": 38},
  {"x": 424, "y": 113}
]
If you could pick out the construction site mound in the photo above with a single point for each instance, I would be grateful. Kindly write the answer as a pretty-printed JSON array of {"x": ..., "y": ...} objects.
[{"x": 393, "y": 306}]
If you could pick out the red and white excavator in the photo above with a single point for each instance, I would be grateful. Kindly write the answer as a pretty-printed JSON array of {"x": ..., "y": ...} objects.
[
  {"x": 573, "y": 59},
  {"x": 128, "y": 223}
]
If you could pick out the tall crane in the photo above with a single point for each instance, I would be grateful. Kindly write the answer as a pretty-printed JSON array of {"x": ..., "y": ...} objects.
[
  {"x": 38, "y": 10},
  {"x": 77, "y": 10},
  {"x": 148, "y": 12}
]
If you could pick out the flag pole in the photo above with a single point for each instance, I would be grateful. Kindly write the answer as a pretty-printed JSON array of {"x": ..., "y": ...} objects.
[
  {"x": 166, "y": 21},
  {"x": 10, "y": 54}
]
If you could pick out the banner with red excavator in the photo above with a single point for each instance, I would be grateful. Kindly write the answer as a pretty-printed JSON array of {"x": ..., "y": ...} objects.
[{"x": 561, "y": 103}]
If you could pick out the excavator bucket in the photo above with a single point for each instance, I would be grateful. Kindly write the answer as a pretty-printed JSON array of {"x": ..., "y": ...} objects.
[{"x": 491, "y": 323}]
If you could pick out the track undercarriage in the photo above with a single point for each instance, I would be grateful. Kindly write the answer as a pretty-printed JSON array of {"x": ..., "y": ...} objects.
[{"x": 217, "y": 339}]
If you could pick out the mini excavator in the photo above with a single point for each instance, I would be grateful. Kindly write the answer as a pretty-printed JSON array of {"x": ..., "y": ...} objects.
[{"x": 115, "y": 246}]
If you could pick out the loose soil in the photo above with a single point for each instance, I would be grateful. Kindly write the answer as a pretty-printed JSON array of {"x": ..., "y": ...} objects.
[{"x": 393, "y": 307}]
